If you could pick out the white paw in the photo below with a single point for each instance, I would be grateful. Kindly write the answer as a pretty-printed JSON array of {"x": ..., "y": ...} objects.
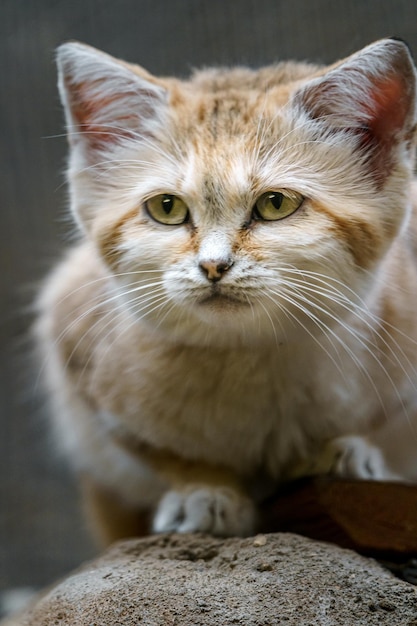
[
  {"x": 220, "y": 511},
  {"x": 354, "y": 457}
]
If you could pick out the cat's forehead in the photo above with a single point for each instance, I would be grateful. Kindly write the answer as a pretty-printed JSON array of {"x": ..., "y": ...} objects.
[
  {"x": 216, "y": 180},
  {"x": 220, "y": 162},
  {"x": 224, "y": 102},
  {"x": 216, "y": 115},
  {"x": 229, "y": 140}
]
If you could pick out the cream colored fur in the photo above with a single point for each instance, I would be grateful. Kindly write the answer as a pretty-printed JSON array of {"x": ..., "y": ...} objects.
[{"x": 176, "y": 392}]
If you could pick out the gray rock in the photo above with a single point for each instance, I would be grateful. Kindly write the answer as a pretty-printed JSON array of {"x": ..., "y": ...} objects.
[{"x": 191, "y": 580}]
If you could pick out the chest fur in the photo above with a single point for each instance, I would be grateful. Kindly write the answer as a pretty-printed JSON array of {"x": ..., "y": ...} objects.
[{"x": 247, "y": 408}]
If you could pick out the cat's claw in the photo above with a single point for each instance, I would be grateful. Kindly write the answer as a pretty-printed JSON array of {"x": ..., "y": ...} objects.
[{"x": 220, "y": 511}]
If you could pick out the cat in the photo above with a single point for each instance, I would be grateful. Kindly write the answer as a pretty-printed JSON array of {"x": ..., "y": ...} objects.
[{"x": 240, "y": 307}]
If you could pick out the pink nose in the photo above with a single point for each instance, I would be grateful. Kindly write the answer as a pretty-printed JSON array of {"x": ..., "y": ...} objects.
[{"x": 215, "y": 269}]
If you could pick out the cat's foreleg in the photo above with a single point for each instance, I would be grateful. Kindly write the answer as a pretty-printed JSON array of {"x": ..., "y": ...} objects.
[{"x": 108, "y": 515}]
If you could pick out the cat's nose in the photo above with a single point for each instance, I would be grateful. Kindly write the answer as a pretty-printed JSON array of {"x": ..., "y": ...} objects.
[{"x": 215, "y": 270}]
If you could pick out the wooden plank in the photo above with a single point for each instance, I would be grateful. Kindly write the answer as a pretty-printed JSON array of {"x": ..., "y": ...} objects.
[{"x": 375, "y": 518}]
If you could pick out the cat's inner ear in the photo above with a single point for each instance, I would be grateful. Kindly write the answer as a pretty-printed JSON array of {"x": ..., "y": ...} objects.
[
  {"x": 105, "y": 100},
  {"x": 371, "y": 95}
]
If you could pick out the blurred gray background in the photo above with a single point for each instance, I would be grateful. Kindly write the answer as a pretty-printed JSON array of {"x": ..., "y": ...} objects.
[{"x": 42, "y": 535}]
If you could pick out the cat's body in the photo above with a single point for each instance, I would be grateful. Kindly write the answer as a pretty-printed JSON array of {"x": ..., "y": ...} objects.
[{"x": 197, "y": 345}]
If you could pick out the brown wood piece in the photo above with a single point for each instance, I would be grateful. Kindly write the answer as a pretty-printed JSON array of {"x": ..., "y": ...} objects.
[{"x": 374, "y": 518}]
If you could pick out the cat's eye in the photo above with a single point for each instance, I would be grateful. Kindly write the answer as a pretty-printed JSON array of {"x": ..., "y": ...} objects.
[
  {"x": 275, "y": 205},
  {"x": 167, "y": 209}
]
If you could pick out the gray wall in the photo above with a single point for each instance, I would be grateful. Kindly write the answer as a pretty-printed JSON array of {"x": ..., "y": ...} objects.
[{"x": 41, "y": 531}]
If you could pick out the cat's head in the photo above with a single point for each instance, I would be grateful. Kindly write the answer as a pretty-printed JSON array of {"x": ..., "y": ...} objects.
[{"x": 241, "y": 204}]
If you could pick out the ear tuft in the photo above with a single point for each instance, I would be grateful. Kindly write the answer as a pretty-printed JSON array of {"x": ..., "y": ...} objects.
[{"x": 106, "y": 100}]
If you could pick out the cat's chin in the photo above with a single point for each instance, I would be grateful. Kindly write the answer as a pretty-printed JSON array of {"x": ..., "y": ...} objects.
[
  {"x": 226, "y": 321},
  {"x": 215, "y": 320}
]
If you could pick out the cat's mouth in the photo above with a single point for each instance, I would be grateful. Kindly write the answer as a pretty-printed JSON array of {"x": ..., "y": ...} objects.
[{"x": 221, "y": 300}]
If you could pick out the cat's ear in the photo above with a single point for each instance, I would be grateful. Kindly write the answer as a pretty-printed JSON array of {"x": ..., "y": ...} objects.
[
  {"x": 106, "y": 100},
  {"x": 371, "y": 96}
]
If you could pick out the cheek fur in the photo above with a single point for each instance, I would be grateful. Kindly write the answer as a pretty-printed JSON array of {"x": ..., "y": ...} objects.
[
  {"x": 133, "y": 242},
  {"x": 109, "y": 237},
  {"x": 362, "y": 238}
]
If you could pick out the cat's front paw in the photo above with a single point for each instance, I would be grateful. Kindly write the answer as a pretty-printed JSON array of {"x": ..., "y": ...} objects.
[
  {"x": 220, "y": 511},
  {"x": 353, "y": 457}
]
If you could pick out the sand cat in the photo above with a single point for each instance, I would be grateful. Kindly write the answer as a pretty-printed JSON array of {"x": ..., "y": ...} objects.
[{"x": 241, "y": 306}]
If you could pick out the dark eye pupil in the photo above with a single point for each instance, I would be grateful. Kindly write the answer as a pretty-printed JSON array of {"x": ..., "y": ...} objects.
[
  {"x": 167, "y": 204},
  {"x": 276, "y": 200}
]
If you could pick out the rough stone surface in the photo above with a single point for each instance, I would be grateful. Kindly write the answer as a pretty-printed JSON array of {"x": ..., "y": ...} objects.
[{"x": 194, "y": 580}]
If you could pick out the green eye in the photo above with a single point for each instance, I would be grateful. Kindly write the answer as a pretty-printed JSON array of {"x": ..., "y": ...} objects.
[
  {"x": 275, "y": 205},
  {"x": 167, "y": 209}
]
